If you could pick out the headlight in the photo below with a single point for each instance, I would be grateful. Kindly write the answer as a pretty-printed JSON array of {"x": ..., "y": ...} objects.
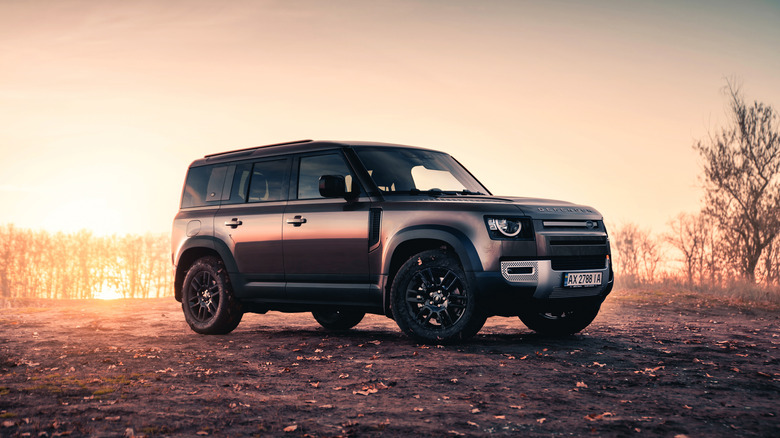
[{"x": 509, "y": 227}]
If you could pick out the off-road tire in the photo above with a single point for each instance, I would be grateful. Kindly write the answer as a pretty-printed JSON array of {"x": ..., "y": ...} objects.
[
  {"x": 433, "y": 301},
  {"x": 559, "y": 323},
  {"x": 210, "y": 308},
  {"x": 337, "y": 319}
]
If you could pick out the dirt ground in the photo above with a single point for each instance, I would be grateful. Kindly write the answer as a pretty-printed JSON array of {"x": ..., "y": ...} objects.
[{"x": 651, "y": 364}]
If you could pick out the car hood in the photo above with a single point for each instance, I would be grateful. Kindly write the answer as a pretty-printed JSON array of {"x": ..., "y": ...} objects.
[
  {"x": 553, "y": 209},
  {"x": 537, "y": 208}
]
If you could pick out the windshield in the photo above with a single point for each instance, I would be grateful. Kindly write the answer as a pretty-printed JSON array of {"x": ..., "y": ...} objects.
[{"x": 405, "y": 171}]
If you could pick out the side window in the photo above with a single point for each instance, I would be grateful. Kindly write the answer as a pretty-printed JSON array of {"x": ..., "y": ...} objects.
[
  {"x": 313, "y": 167},
  {"x": 240, "y": 186},
  {"x": 267, "y": 181},
  {"x": 203, "y": 186}
]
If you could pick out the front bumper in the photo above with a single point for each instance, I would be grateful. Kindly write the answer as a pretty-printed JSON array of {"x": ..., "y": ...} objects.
[
  {"x": 509, "y": 293},
  {"x": 548, "y": 283}
]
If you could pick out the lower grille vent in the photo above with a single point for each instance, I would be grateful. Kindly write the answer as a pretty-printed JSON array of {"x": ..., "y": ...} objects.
[
  {"x": 578, "y": 241},
  {"x": 578, "y": 263}
]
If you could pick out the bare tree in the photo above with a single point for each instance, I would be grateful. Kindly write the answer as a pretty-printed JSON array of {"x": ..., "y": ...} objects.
[
  {"x": 685, "y": 236},
  {"x": 742, "y": 179},
  {"x": 650, "y": 256},
  {"x": 694, "y": 235},
  {"x": 627, "y": 257},
  {"x": 7, "y": 259},
  {"x": 771, "y": 263},
  {"x": 638, "y": 254}
]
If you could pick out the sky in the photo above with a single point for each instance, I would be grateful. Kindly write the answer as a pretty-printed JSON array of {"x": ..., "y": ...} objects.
[{"x": 105, "y": 103}]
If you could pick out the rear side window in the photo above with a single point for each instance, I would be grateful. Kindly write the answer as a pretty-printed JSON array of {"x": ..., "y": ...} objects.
[
  {"x": 241, "y": 177},
  {"x": 267, "y": 181},
  {"x": 203, "y": 186}
]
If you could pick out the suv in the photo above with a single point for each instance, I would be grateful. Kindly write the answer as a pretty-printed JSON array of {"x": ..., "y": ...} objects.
[{"x": 341, "y": 229}]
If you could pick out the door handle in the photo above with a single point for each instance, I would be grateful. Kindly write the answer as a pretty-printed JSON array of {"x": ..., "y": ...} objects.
[
  {"x": 233, "y": 223},
  {"x": 297, "y": 221}
]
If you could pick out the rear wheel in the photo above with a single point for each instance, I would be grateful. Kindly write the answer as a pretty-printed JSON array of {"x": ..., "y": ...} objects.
[
  {"x": 433, "y": 301},
  {"x": 209, "y": 305},
  {"x": 561, "y": 322},
  {"x": 335, "y": 319}
]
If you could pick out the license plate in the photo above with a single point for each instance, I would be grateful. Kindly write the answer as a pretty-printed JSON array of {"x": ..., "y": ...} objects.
[{"x": 582, "y": 279}]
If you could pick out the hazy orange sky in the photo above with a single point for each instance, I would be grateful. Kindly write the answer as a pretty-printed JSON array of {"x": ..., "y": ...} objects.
[{"x": 105, "y": 103}]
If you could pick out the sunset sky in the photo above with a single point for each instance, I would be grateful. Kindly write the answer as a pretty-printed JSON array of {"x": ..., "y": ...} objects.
[{"x": 105, "y": 103}]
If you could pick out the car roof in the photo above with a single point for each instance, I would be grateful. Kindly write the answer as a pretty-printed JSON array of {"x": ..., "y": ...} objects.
[{"x": 290, "y": 147}]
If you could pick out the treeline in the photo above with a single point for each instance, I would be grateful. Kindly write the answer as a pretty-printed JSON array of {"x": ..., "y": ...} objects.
[
  {"x": 693, "y": 252},
  {"x": 41, "y": 264}
]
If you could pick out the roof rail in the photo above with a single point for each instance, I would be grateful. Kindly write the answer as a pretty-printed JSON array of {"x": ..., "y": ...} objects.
[{"x": 257, "y": 147}]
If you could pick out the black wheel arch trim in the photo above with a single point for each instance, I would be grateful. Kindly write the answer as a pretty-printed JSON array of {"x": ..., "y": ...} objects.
[
  {"x": 456, "y": 239},
  {"x": 452, "y": 236},
  {"x": 210, "y": 243}
]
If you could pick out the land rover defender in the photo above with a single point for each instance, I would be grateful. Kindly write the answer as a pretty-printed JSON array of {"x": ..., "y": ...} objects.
[{"x": 341, "y": 229}]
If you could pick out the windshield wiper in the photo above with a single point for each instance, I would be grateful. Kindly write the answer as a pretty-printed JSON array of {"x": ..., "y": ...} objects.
[
  {"x": 431, "y": 192},
  {"x": 469, "y": 192},
  {"x": 438, "y": 192}
]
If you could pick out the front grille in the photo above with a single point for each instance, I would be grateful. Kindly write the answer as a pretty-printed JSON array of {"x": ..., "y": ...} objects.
[
  {"x": 578, "y": 263},
  {"x": 577, "y": 241}
]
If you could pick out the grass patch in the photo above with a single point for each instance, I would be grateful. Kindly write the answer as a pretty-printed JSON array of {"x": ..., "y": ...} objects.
[
  {"x": 122, "y": 379},
  {"x": 4, "y": 391},
  {"x": 150, "y": 430},
  {"x": 57, "y": 384},
  {"x": 157, "y": 430},
  {"x": 45, "y": 387},
  {"x": 58, "y": 379},
  {"x": 103, "y": 391},
  {"x": 7, "y": 415},
  {"x": 4, "y": 321}
]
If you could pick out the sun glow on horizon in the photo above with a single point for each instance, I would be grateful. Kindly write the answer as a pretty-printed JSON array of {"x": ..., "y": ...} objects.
[{"x": 108, "y": 292}]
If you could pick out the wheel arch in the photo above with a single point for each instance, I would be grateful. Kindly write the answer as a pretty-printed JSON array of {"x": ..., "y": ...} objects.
[
  {"x": 195, "y": 249},
  {"x": 414, "y": 240}
]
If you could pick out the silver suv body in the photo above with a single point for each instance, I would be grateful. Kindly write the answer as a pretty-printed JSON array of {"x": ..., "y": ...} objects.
[{"x": 341, "y": 229}]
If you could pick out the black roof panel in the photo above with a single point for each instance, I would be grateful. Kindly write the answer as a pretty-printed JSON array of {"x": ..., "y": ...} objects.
[{"x": 287, "y": 148}]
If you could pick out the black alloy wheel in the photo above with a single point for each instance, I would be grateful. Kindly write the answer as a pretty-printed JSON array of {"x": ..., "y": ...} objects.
[
  {"x": 435, "y": 297},
  {"x": 433, "y": 301},
  {"x": 204, "y": 296},
  {"x": 207, "y": 300}
]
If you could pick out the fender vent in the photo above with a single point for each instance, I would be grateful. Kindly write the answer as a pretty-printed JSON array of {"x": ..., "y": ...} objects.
[{"x": 374, "y": 226}]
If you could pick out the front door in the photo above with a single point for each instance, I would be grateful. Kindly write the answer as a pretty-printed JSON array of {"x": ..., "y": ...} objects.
[{"x": 325, "y": 239}]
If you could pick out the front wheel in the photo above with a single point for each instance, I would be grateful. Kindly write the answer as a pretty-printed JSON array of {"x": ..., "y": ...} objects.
[
  {"x": 433, "y": 301},
  {"x": 207, "y": 300},
  {"x": 559, "y": 323},
  {"x": 334, "y": 319}
]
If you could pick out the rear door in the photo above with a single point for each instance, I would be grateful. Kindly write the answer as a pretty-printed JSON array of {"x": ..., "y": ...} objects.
[
  {"x": 325, "y": 239},
  {"x": 250, "y": 223}
]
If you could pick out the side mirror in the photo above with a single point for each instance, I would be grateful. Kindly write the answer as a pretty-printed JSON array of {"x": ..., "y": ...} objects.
[{"x": 333, "y": 186}]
